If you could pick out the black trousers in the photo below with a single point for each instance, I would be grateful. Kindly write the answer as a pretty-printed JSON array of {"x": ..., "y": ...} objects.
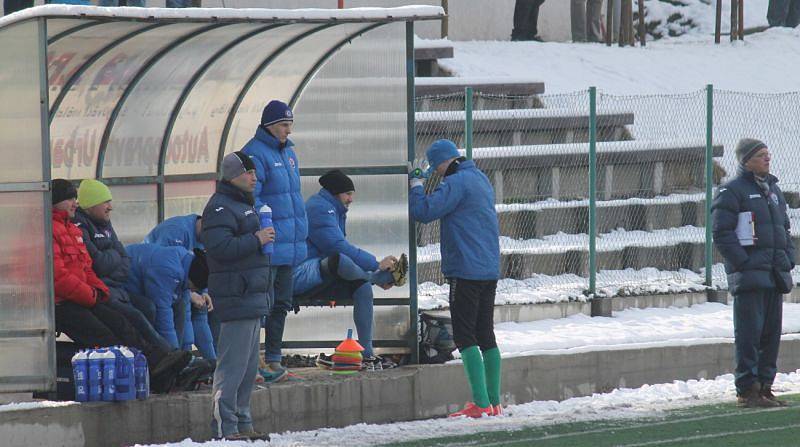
[
  {"x": 472, "y": 312},
  {"x": 101, "y": 326},
  {"x": 526, "y": 19}
]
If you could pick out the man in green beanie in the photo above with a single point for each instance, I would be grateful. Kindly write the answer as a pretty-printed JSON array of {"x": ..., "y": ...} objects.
[{"x": 751, "y": 231}]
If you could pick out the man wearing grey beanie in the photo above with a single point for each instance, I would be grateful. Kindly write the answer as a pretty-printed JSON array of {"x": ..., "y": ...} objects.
[{"x": 751, "y": 232}]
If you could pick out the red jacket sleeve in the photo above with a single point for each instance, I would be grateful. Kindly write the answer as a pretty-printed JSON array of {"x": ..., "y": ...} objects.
[{"x": 67, "y": 285}]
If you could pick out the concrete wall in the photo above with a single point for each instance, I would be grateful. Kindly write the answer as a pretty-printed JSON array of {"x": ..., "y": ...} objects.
[{"x": 413, "y": 392}]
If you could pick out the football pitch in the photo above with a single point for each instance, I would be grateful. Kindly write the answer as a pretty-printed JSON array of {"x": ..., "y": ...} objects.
[{"x": 707, "y": 426}]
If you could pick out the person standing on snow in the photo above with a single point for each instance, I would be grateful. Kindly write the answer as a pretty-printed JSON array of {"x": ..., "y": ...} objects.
[
  {"x": 278, "y": 186},
  {"x": 470, "y": 248},
  {"x": 751, "y": 231}
]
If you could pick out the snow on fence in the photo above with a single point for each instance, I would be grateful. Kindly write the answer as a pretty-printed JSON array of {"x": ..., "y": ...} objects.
[{"x": 650, "y": 179}]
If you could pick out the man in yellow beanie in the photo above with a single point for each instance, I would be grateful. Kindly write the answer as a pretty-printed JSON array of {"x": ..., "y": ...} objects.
[{"x": 110, "y": 260}]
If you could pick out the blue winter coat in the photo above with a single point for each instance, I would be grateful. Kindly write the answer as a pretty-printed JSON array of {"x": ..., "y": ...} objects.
[
  {"x": 327, "y": 221},
  {"x": 238, "y": 272},
  {"x": 161, "y": 274},
  {"x": 768, "y": 263},
  {"x": 178, "y": 231},
  {"x": 110, "y": 261},
  {"x": 469, "y": 232},
  {"x": 279, "y": 187}
]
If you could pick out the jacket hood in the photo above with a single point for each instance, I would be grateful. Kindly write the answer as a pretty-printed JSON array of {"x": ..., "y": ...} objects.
[{"x": 337, "y": 204}]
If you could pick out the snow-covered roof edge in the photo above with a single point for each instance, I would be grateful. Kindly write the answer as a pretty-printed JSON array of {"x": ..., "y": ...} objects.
[{"x": 402, "y": 13}]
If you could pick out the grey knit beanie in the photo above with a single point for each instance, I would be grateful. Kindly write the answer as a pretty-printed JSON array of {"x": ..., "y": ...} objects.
[{"x": 746, "y": 148}]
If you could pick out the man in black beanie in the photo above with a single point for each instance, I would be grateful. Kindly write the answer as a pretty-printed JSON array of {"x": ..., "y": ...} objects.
[
  {"x": 751, "y": 231},
  {"x": 337, "y": 270}
]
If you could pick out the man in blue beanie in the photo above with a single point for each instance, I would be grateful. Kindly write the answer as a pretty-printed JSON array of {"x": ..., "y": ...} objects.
[
  {"x": 470, "y": 259},
  {"x": 751, "y": 232},
  {"x": 278, "y": 186}
]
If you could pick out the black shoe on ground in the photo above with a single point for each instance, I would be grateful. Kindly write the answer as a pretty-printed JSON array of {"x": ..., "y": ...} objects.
[
  {"x": 766, "y": 393},
  {"x": 752, "y": 398},
  {"x": 325, "y": 361},
  {"x": 377, "y": 363},
  {"x": 255, "y": 436}
]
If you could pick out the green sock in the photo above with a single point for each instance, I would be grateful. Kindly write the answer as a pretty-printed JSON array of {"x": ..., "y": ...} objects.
[
  {"x": 491, "y": 360},
  {"x": 473, "y": 367}
]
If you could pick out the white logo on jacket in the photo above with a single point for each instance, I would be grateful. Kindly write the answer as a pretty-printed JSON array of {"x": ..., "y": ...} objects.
[
  {"x": 99, "y": 235},
  {"x": 219, "y": 209},
  {"x": 249, "y": 212},
  {"x": 278, "y": 164},
  {"x": 331, "y": 212}
]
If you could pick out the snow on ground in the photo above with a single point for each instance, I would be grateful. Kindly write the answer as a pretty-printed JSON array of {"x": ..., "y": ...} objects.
[
  {"x": 624, "y": 403},
  {"x": 31, "y": 405},
  {"x": 671, "y": 18},
  {"x": 684, "y": 326}
]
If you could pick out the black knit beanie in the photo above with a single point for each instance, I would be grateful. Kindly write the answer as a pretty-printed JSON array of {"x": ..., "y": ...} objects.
[
  {"x": 336, "y": 182},
  {"x": 62, "y": 190}
]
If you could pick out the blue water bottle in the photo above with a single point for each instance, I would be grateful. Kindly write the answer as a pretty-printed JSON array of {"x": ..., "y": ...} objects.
[
  {"x": 80, "y": 374},
  {"x": 95, "y": 375},
  {"x": 109, "y": 374},
  {"x": 265, "y": 215},
  {"x": 141, "y": 374},
  {"x": 126, "y": 382}
]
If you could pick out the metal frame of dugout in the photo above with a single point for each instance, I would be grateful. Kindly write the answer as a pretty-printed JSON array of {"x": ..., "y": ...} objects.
[{"x": 149, "y": 100}]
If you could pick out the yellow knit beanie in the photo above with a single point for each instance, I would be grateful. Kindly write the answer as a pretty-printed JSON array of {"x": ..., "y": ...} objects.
[{"x": 92, "y": 192}]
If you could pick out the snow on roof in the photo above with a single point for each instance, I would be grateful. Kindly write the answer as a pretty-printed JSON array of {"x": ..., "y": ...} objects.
[{"x": 402, "y": 13}]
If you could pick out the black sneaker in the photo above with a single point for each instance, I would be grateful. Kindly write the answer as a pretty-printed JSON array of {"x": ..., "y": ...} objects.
[
  {"x": 325, "y": 361},
  {"x": 377, "y": 363}
]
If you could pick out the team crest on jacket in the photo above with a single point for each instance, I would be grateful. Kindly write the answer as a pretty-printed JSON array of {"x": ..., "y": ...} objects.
[{"x": 291, "y": 162}]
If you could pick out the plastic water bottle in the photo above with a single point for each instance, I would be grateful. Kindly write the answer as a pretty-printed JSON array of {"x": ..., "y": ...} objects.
[
  {"x": 141, "y": 374},
  {"x": 265, "y": 216},
  {"x": 95, "y": 375},
  {"x": 80, "y": 374},
  {"x": 126, "y": 382},
  {"x": 109, "y": 374}
]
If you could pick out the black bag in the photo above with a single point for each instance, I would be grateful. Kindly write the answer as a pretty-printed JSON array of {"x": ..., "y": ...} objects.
[
  {"x": 437, "y": 343},
  {"x": 65, "y": 382}
]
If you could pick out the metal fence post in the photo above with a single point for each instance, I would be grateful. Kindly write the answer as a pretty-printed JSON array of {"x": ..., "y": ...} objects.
[
  {"x": 592, "y": 189},
  {"x": 709, "y": 180},
  {"x": 411, "y": 135},
  {"x": 468, "y": 122}
]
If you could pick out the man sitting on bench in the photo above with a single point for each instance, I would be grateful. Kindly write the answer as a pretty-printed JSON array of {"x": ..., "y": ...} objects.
[{"x": 337, "y": 271}]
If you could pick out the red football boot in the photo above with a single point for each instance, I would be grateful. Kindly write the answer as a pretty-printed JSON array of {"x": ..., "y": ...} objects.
[{"x": 473, "y": 411}]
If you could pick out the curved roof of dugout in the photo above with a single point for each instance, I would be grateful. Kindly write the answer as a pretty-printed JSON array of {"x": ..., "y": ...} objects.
[{"x": 129, "y": 87}]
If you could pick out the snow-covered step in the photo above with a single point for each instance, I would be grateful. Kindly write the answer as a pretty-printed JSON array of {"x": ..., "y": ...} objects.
[
  {"x": 547, "y": 217},
  {"x": 427, "y": 54},
  {"x": 516, "y": 127},
  {"x": 673, "y": 249},
  {"x": 442, "y": 94}
]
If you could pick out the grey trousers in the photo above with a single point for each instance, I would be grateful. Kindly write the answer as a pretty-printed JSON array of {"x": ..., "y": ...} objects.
[
  {"x": 237, "y": 366},
  {"x": 586, "y": 18}
]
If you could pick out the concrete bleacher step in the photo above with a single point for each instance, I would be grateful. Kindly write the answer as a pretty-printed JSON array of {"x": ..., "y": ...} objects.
[
  {"x": 427, "y": 54},
  {"x": 444, "y": 94},
  {"x": 682, "y": 248},
  {"x": 520, "y": 127}
]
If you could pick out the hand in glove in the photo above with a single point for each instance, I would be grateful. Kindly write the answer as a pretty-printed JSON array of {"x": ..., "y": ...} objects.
[{"x": 417, "y": 172}]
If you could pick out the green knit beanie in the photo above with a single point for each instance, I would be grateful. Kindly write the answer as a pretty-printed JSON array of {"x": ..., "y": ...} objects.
[{"x": 92, "y": 192}]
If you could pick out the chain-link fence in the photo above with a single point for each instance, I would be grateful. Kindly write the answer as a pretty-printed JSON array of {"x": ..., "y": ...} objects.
[{"x": 650, "y": 189}]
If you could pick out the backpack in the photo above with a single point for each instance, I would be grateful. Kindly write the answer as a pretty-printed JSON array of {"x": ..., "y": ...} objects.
[{"x": 436, "y": 345}]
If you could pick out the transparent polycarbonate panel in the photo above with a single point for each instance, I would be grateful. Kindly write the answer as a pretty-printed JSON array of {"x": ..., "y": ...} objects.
[
  {"x": 378, "y": 218},
  {"x": 67, "y": 55},
  {"x": 23, "y": 289},
  {"x": 187, "y": 197},
  {"x": 353, "y": 112},
  {"x": 25, "y": 364},
  {"x": 20, "y": 110},
  {"x": 25, "y": 300},
  {"x": 281, "y": 78},
  {"x": 58, "y": 26},
  {"x": 76, "y": 136},
  {"x": 148, "y": 108},
  {"x": 390, "y": 323},
  {"x": 135, "y": 211},
  {"x": 202, "y": 117}
]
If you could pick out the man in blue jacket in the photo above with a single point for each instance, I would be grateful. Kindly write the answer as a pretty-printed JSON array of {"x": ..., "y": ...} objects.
[
  {"x": 239, "y": 282},
  {"x": 278, "y": 187},
  {"x": 166, "y": 275},
  {"x": 470, "y": 259},
  {"x": 110, "y": 260},
  {"x": 184, "y": 231},
  {"x": 349, "y": 270},
  {"x": 751, "y": 232}
]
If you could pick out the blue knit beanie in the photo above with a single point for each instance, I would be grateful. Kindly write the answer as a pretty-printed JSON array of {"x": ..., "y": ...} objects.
[
  {"x": 276, "y": 112},
  {"x": 441, "y": 151}
]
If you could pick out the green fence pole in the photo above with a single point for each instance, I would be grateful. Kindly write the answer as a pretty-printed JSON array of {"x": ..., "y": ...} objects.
[
  {"x": 411, "y": 136},
  {"x": 709, "y": 179},
  {"x": 592, "y": 190},
  {"x": 468, "y": 121}
]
